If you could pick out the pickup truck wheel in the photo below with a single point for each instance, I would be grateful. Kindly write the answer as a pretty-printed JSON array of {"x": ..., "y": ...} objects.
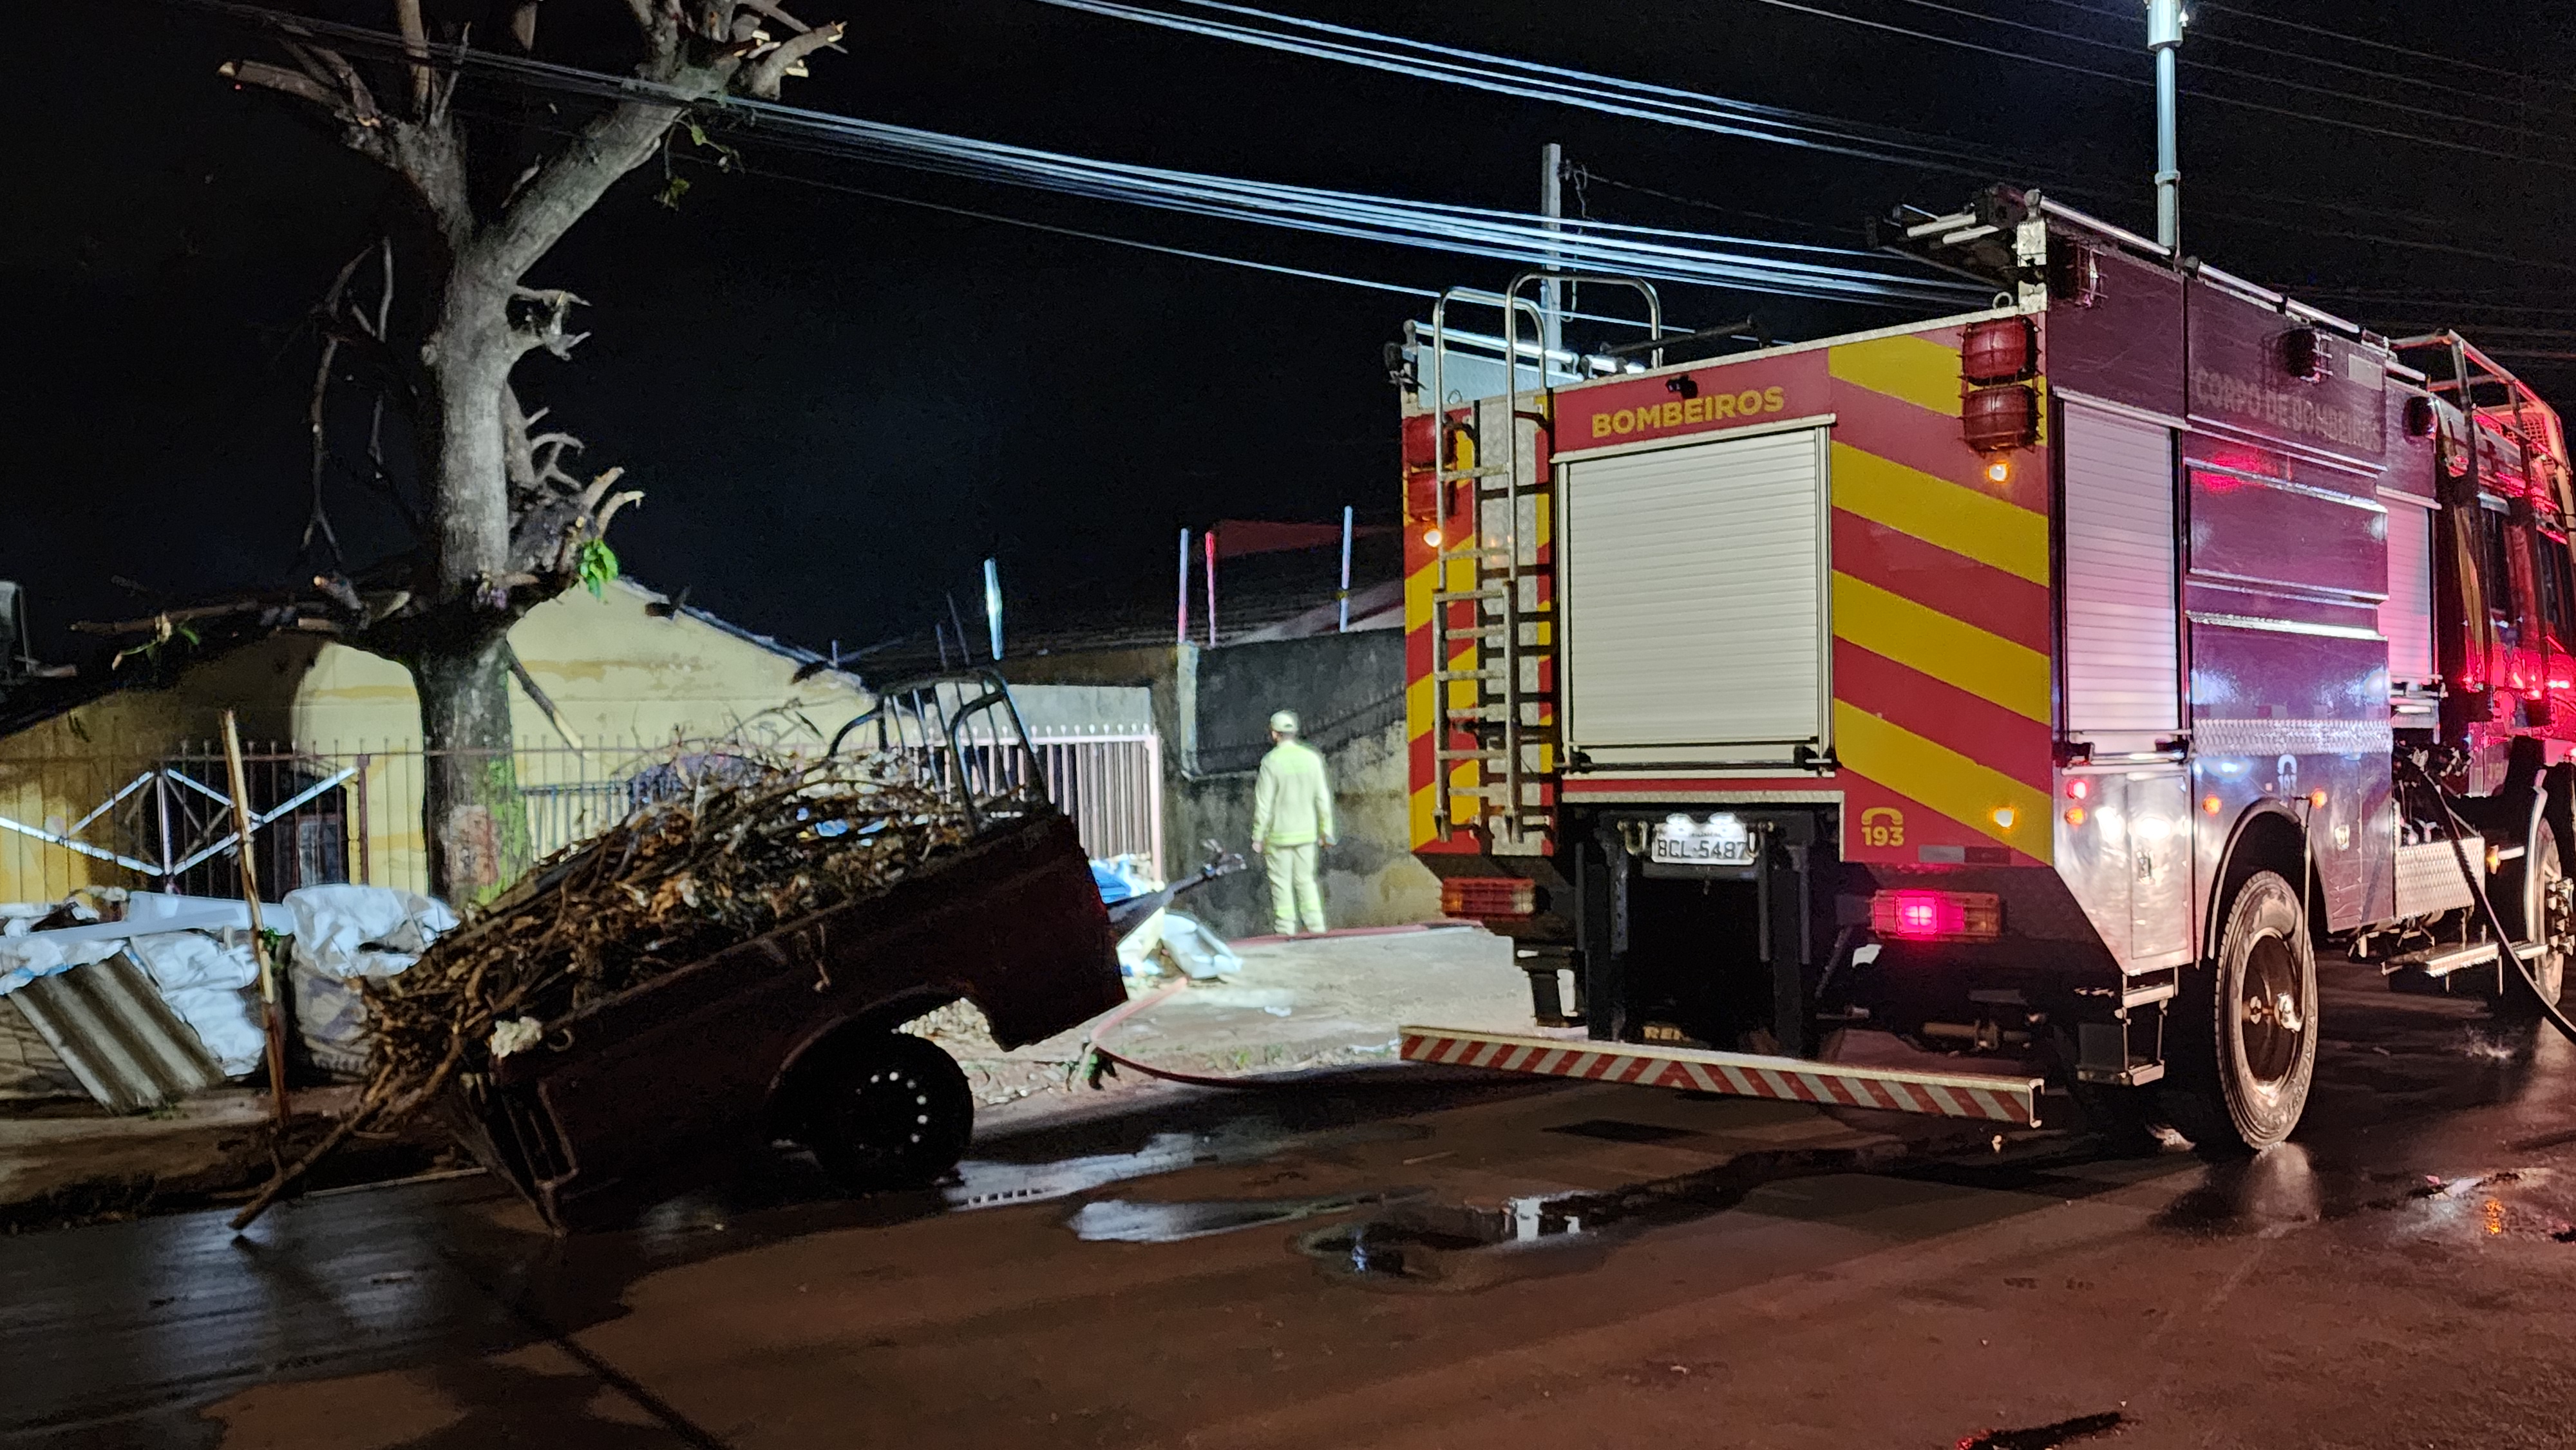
[
  {"x": 885, "y": 1111},
  {"x": 2244, "y": 1044}
]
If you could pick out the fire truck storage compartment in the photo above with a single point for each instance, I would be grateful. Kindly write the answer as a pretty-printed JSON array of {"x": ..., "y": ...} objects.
[
  {"x": 2123, "y": 653},
  {"x": 2406, "y": 616},
  {"x": 1694, "y": 601}
]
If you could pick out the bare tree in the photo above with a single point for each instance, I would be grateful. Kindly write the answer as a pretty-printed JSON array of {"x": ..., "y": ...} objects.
[{"x": 501, "y": 525}]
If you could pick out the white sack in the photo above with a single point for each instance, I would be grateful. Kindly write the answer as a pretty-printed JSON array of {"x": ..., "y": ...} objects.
[
  {"x": 1196, "y": 950},
  {"x": 363, "y": 931},
  {"x": 180, "y": 960}
]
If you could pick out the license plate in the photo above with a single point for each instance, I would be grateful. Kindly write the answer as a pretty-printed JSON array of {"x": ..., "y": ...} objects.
[{"x": 1717, "y": 841}]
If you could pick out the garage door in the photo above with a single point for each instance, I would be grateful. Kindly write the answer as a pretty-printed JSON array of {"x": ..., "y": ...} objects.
[{"x": 1694, "y": 601}]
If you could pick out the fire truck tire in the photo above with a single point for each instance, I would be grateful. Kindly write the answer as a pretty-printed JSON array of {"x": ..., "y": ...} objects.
[
  {"x": 2244, "y": 1043},
  {"x": 2536, "y": 902},
  {"x": 884, "y": 1110}
]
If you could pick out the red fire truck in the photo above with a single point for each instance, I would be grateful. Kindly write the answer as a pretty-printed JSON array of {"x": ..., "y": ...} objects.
[{"x": 2045, "y": 686}]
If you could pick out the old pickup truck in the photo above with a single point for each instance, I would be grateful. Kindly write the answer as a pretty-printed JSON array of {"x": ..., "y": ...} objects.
[{"x": 792, "y": 1034}]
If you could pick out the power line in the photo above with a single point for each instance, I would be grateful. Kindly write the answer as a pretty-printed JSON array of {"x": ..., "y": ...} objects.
[
  {"x": 1579, "y": 88},
  {"x": 1524, "y": 79},
  {"x": 2363, "y": 128},
  {"x": 2210, "y": 68},
  {"x": 1666, "y": 255},
  {"x": 2363, "y": 40}
]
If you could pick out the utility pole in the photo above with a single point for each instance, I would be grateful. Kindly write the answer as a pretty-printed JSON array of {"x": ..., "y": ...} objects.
[
  {"x": 2164, "y": 37},
  {"x": 1551, "y": 205}
]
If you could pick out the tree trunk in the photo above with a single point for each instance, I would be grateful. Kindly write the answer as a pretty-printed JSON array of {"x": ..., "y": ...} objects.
[{"x": 478, "y": 823}]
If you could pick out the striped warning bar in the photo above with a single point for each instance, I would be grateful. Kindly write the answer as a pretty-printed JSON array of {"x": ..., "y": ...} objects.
[{"x": 1738, "y": 1074}]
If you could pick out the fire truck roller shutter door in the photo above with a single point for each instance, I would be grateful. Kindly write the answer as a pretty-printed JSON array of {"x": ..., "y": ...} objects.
[
  {"x": 1694, "y": 600},
  {"x": 2406, "y": 616},
  {"x": 2123, "y": 652}
]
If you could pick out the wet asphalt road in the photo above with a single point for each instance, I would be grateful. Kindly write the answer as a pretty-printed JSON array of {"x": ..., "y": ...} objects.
[{"x": 1344, "y": 1267}]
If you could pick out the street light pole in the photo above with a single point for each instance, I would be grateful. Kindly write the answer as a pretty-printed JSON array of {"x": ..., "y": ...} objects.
[
  {"x": 2164, "y": 38},
  {"x": 1551, "y": 205}
]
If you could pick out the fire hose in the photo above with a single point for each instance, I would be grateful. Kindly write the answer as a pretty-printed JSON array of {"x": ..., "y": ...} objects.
[{"x": 2451, "y": 826}]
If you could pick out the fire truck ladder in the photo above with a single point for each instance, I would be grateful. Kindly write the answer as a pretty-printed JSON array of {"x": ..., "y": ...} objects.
[{"x": 1513, "y": 633}]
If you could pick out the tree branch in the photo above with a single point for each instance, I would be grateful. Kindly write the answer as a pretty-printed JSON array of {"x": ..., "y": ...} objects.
[
  {"x": 278, "y": 78},
  {"x": 415, "y": 36},
  {"x": 762, "y": 77}
]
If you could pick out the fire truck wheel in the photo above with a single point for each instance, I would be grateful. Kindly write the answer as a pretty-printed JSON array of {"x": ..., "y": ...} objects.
[
  {"x": 2538, "y": 902},
  {"x": 2244, "y": 1042},
  {"x": 884, "y": 1110}
]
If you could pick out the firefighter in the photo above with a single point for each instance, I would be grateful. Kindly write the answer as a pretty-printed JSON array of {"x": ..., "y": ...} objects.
[{"x": 1292, "y": 819}]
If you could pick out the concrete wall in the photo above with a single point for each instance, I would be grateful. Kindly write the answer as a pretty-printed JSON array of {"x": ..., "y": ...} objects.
[{"x": 1212, "y": 708}]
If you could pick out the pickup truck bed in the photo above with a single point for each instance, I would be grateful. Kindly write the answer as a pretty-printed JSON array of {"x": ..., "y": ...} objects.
[{"x": 663, "y": 1086}]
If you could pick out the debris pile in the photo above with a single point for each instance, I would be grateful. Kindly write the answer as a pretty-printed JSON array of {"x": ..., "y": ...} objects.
[{"x": 731, "y": 855}]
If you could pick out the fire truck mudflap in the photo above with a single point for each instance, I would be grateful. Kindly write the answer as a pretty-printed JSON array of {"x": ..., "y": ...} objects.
[{"x": 1990, "y": 1097}]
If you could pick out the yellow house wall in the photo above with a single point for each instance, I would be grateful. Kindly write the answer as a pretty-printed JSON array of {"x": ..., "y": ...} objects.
[{"x": 626, "y": 682}]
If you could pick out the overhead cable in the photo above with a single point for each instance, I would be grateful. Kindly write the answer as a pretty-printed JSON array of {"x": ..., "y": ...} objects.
[
  {"x": 1586, "y": 90},
  {"x": 2361, "y": 127},
  {"x": 1700, "y": 258},
  {"x": 2210, "y": 68},
  {"x": 2349, "y": 38},
  {"x": 1506, "y": 75}
]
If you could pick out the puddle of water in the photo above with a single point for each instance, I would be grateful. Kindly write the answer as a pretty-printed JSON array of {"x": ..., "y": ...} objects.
[
  {"x": 984, "y": 1183},
  {"x": 2047, "y": 1437},
  {"x": 1122, "y": 1221},
  {"x": 1464, "y": 1246}
]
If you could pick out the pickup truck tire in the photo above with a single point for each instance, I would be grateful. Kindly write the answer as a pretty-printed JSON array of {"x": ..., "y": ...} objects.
[
  {"x": 2243, "y": 1043},
  {"x": 884, "y": 1110}
]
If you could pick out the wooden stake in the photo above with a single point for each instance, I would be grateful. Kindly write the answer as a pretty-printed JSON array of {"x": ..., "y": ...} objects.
[{"x": 276, "y": 1017}]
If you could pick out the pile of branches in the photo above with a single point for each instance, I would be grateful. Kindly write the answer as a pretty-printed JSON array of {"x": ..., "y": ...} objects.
[{"x": 744, "y": 844}]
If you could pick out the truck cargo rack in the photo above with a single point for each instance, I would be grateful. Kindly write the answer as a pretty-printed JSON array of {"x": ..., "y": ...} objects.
[{"x": 1988, "y": 1097}]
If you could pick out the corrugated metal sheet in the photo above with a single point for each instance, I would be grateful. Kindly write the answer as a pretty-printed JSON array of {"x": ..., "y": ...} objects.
[
  {"x": 117, "y": 1036},
  {"x": 2123, "y": 670}
]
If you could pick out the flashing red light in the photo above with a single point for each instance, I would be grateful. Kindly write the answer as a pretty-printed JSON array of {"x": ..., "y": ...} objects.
[
  {"x": 1937, "y": 915},
  {"x": 2078, "y": 788}
]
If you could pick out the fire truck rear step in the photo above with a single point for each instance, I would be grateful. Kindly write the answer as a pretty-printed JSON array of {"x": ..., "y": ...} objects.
[{"x": 1983, "y": 1096}]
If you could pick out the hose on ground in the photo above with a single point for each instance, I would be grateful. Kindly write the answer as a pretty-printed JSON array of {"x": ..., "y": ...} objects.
[{"x": 2451, "y": 825}]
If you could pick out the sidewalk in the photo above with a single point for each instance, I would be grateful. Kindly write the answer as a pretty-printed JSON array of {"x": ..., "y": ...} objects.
[{"x": 1298, "y": 1004}]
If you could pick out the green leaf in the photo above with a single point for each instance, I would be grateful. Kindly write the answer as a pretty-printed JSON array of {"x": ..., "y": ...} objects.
[
  {"x": 595, "y": 565},
  {"x": 672, "y": 190}
]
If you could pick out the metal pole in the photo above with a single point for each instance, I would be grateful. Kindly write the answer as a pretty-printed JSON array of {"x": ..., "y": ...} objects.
[
  {"x": 1345, "y": 595},
  {"x": 993, "y": 603},
  {"x": 1181, "y": 635},
  {"x": 268, "y": 999},
  {"x": 2164, "y": 37},
  {"x": 1551, "y": 205}
]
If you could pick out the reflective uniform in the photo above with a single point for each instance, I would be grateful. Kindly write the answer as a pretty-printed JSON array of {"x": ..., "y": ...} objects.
[{"x": 1292, "y": 818}]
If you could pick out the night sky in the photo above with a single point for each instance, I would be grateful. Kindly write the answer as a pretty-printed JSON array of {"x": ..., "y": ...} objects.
[{"x": 837, "y": 406}]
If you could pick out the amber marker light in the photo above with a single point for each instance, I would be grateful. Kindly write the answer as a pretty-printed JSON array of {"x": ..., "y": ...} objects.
[
  {"x": 1999, "y": 471},
  {"x": 2074, "y": 815},
  {"x": 2316, "y": 798},
  {"x": 2210, "y": 803},
  {"x": 1431, "y": 537},
  {"x": 2004, "y": 817}
]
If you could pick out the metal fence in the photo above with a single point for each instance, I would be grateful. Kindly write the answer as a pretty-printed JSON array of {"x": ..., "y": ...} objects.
[{"x": 328, "y": 812}]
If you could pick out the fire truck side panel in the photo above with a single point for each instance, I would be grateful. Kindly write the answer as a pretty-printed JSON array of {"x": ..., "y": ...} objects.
[{"x": 2287, "y": 564}]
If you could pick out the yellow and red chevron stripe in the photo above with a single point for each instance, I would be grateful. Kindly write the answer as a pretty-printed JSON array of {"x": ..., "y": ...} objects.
[{"x": 1941, "y": 610}]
